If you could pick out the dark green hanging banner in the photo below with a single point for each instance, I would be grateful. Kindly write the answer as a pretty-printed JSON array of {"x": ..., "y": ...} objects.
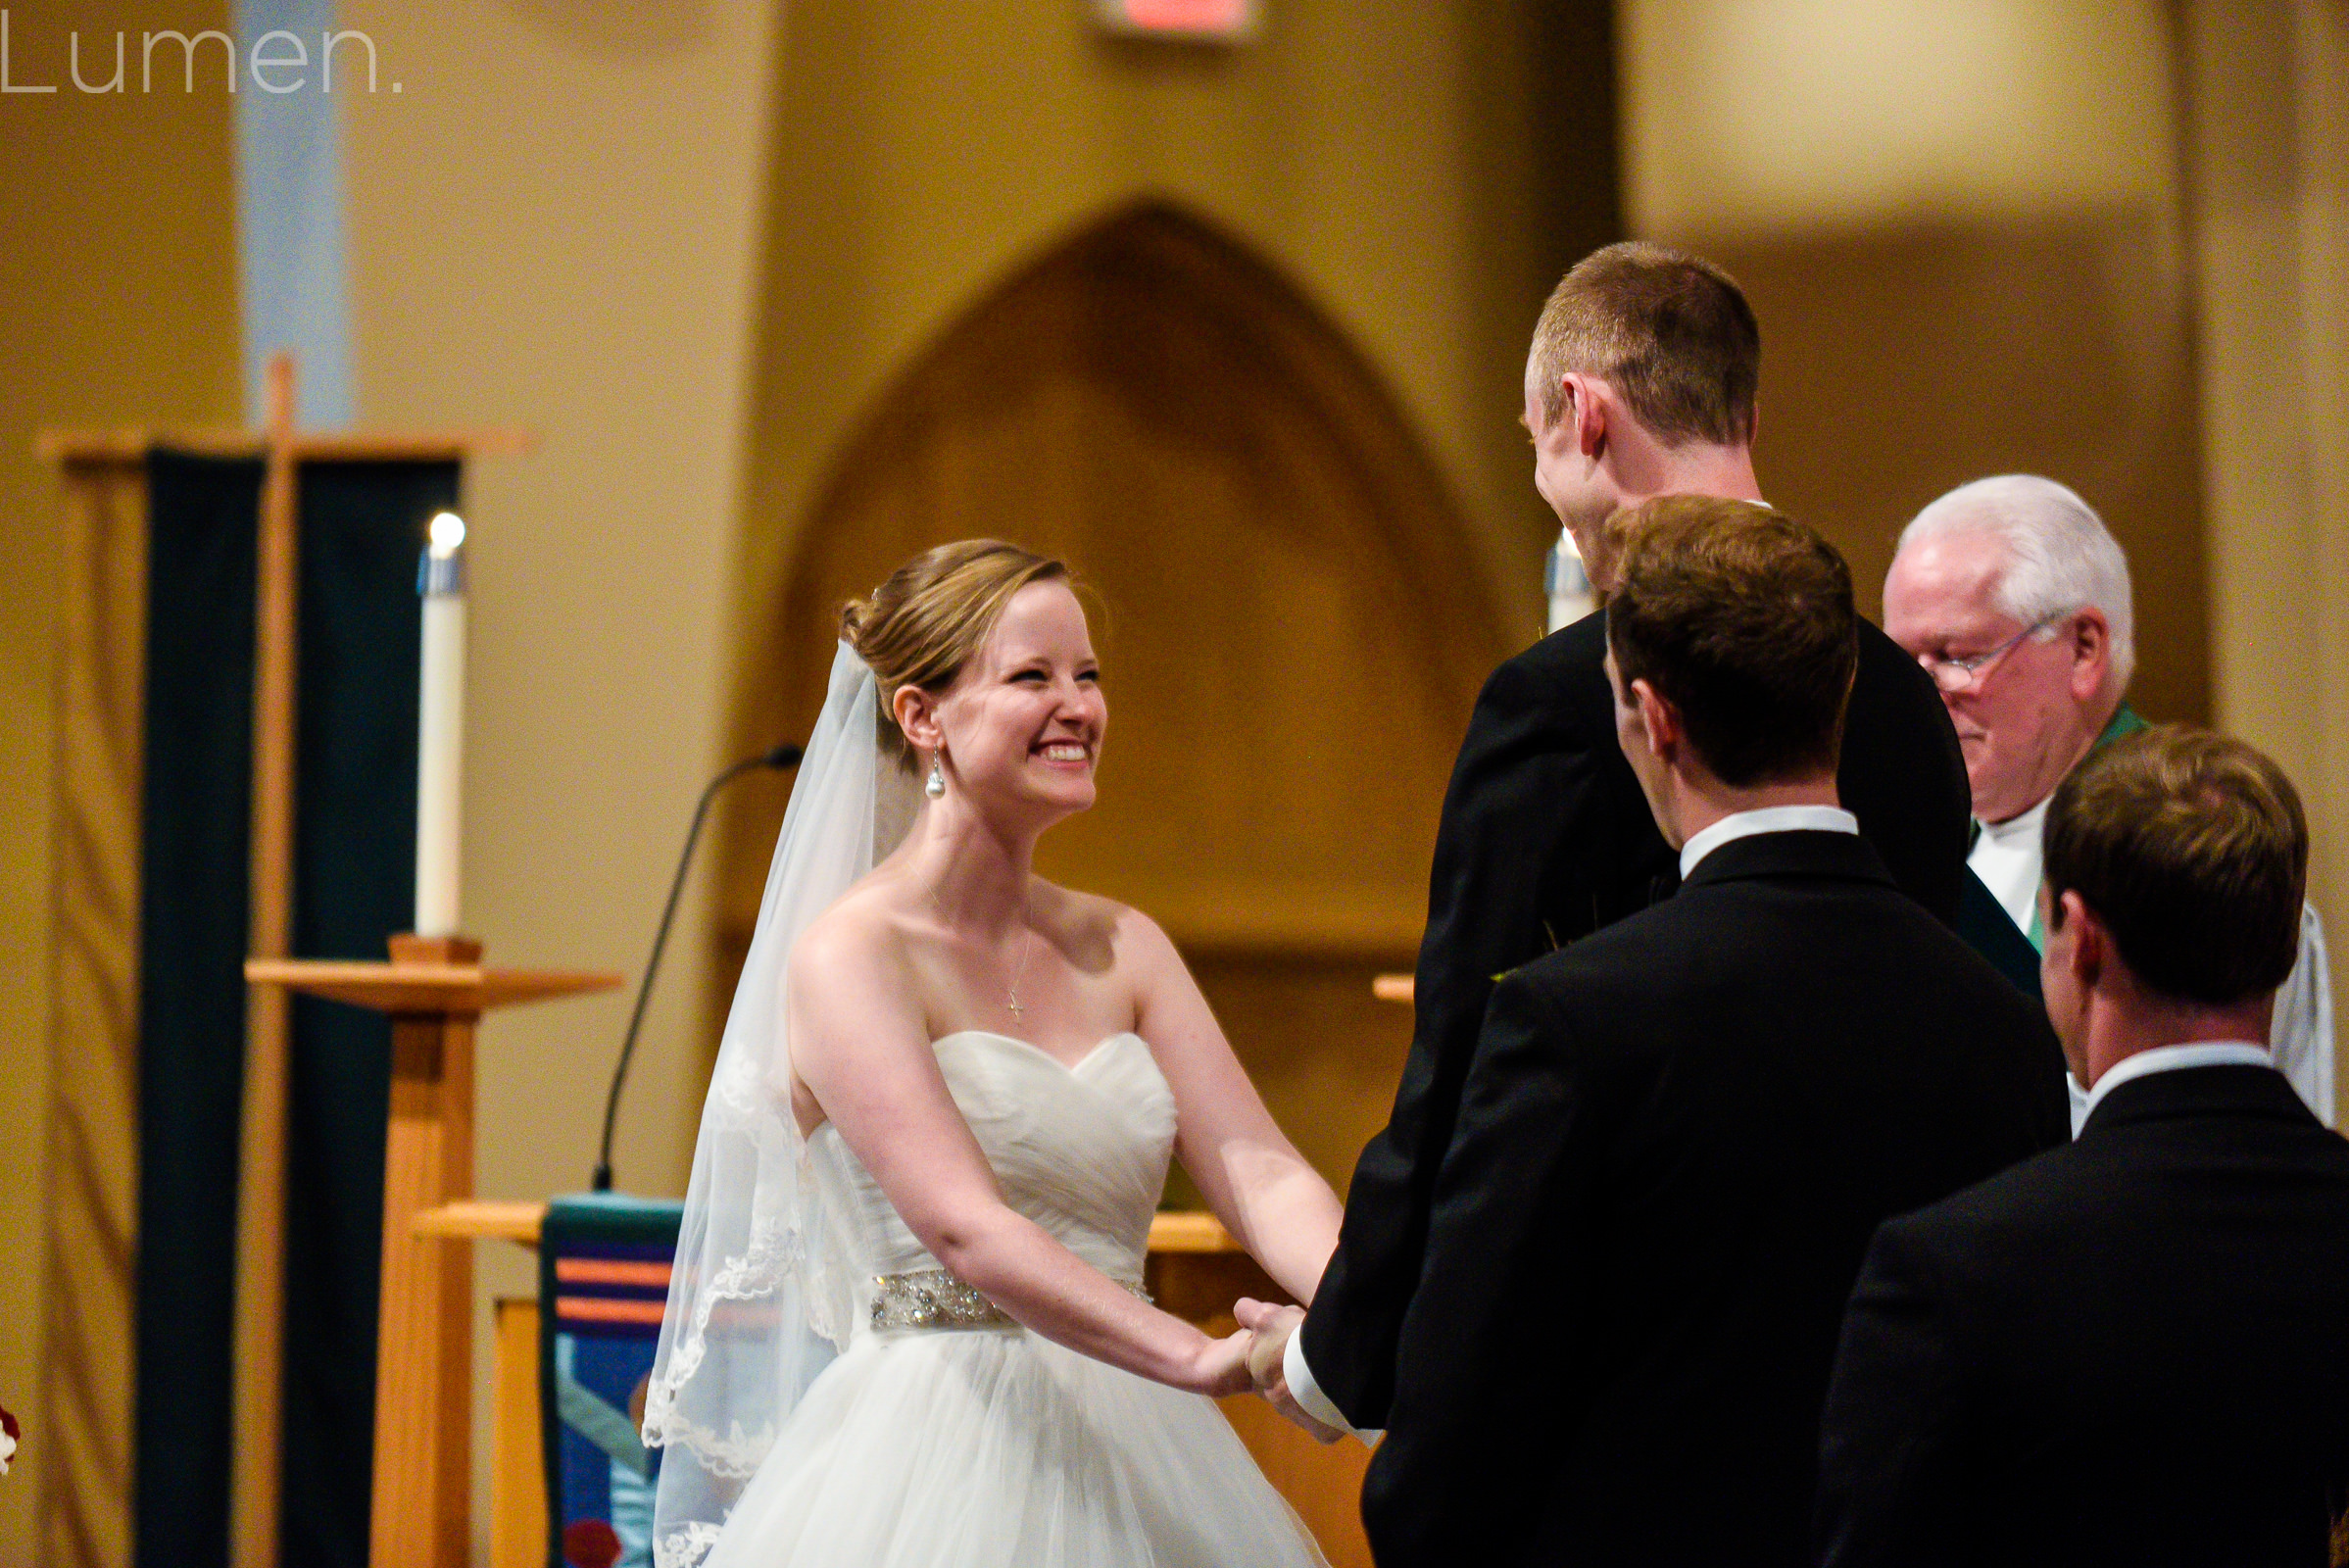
[
  {"x": 195, "y": 831},
  {"x": 361, "y": 529}
]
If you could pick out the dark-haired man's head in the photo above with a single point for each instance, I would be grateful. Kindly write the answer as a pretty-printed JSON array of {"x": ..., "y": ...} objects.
[
  {"x": 2175, "y": 865},
  {"x": 1640, "y": 382},
  {"x": 1731, "y": 642}
]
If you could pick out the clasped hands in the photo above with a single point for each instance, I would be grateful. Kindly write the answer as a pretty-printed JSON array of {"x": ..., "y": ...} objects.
[{"x": 1267, "y": 1329}]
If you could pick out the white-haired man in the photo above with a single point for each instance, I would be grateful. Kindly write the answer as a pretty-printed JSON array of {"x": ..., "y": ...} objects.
[{"x": 2016, "y": 599}]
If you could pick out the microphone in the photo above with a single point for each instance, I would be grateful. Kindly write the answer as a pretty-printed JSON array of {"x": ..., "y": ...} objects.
[{"x": 782, "y": 757}]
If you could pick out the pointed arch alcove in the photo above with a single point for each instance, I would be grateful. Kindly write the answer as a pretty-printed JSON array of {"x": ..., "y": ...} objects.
[{"x": 1291, "y": 630}]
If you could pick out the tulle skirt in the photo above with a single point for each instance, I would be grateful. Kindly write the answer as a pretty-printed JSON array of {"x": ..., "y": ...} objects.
[{"x": 996, "y": 1449}]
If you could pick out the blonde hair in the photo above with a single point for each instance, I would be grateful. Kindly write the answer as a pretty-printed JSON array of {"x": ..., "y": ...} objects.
[
  {"x": 922, "y": 624},
  {"x": 1669, "y": 331}
]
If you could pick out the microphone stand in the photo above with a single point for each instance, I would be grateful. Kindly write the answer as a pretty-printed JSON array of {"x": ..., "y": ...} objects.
[{"x": 782, "y": 757}]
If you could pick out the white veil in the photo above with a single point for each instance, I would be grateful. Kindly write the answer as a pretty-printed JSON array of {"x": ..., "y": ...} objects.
[{"x": 762, "y": 1297}]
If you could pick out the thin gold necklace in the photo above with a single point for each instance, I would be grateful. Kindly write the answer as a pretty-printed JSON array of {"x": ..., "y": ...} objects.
[{"x": 1010, "y": 992}]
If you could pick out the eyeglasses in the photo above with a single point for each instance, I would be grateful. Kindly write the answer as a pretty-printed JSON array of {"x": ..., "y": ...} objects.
[{"x": 1955, "y": 675}]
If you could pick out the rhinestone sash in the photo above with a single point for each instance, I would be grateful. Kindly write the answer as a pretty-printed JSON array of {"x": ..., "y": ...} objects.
[{"x": 933, "y": 1298}]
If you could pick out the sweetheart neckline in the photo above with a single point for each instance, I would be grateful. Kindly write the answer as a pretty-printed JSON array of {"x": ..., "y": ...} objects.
[
  {"x": 1029, "y": 1047},
  {"x": 1033, "y": 1049}
]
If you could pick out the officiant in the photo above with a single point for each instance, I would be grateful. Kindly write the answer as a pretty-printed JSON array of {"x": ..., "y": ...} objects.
[{"x": 2016, "y": 598}]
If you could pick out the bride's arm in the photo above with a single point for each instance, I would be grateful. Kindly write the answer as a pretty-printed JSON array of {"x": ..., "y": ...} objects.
[
  {"x": 1251, "y": 1175},
  {"x": 861, "y": 1045}
]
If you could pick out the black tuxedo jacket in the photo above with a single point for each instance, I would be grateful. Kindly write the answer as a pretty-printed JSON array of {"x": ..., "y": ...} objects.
[
  {"x": 1676, "y": 1142},
  {"x": 1544, "y": 839},
  {"x": 2134, "y": 1351}
]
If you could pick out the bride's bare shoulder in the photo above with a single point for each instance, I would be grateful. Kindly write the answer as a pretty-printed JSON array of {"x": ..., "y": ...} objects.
[
  {"x": 862, "y": 934},
  {"x": 1088, "y": 921}
]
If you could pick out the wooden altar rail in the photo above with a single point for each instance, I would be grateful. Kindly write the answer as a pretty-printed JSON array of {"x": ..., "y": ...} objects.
[
  {"x": 492, "y": 1219},
  {"x": 1195, "y": 1270}
]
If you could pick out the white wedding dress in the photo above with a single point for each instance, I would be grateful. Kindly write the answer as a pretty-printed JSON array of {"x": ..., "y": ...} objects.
[{"x": 975, "y": 1444}]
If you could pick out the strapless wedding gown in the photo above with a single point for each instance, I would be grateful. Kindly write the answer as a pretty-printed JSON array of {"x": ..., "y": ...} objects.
[{"x": 976, "y": 1443}]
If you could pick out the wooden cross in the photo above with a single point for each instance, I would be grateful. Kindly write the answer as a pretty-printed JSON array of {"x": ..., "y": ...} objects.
[{"x": 435, "y": 991}]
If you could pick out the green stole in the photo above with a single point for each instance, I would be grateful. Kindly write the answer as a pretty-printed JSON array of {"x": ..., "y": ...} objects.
[{"x": 2126, "y": 721}]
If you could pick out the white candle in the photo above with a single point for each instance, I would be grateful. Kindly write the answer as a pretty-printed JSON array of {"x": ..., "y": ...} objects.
[{"x": 440, "y": 727}]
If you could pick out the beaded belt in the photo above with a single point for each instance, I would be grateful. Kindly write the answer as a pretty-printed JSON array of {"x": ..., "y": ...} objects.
[{"x": 933, "y": 1298}]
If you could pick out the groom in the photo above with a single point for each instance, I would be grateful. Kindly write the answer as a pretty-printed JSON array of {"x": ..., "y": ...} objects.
[{"x": 1680, "y": 1132}]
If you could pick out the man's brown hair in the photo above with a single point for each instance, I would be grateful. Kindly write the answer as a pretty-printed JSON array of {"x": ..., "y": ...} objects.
[
  {"x": 2192, "y": 850},
  {"x": 1669, "y": 331},
  {"x": 1741, "y": 618}
]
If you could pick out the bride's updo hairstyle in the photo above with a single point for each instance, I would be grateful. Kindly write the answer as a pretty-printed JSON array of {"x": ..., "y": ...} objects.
[{"x": 921, "y": 627}]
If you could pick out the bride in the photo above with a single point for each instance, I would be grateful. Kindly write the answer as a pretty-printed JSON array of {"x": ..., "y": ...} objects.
[{"x": 906, "y": 1324}]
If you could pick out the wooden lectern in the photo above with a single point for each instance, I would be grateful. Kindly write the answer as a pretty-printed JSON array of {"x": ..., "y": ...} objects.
[{"x": 435, "y": 990}]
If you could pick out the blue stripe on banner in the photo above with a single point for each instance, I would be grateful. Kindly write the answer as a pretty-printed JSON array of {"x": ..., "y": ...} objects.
[
  {"x": 289, "y": 206},
  {"x": 612, "y": 1292},
  {"x": 622, "y": 1252}
]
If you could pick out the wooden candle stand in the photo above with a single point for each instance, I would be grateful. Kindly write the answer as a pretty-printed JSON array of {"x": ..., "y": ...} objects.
[{"x": 435, "y": 990}]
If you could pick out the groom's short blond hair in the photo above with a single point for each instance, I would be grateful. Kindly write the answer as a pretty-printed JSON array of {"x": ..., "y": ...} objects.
[{"x": 1671, "y": 332}]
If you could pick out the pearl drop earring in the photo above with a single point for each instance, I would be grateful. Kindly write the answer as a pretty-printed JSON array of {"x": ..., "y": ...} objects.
[{"x": 935, "y": 787}]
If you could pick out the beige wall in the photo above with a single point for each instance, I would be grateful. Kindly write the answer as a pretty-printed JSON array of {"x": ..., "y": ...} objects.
[
  {"x": 117, "y": 305},
  {"x": 2119, "y": 255},
  {"x": 1422, "y": 173},
  {"x": 1961, "y": 228},
  {"x": 554, "y": 223},
  {"x": 2269, "y": 172}
]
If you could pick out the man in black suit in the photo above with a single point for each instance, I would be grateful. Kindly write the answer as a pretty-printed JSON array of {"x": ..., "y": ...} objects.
[
  {"x": 1640, "y": 382},
  {"x": 1680, "y": 1132},
  {"x": 2135, "y": 1350}
]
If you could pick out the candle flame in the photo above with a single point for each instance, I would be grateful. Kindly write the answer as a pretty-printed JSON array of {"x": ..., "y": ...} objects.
[{"x": 447, "y": 534}]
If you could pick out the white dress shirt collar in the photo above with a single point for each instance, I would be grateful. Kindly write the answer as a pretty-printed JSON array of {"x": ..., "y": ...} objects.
[
  {"x": 1769, "y": 819},
  {"x": 2172, "y": 1058}
]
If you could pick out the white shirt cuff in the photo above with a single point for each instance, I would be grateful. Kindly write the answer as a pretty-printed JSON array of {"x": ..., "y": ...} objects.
[{"x": 1308, "y": 1393}]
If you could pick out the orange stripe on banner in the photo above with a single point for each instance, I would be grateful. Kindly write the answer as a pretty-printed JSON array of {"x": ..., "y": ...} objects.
[
  {"x": 610, "y": 1271},
  {"x": 604, "y": 1309}
]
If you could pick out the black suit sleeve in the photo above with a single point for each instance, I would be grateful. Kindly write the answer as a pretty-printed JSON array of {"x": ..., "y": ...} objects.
[
  {"x": 1530, "y": 779},
  {"x": 1497, "y": 1341},
  {"x": 1892, "y": 1493}
]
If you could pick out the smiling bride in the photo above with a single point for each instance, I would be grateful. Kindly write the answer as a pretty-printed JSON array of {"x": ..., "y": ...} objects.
[{"x": 907, "y": 1324}]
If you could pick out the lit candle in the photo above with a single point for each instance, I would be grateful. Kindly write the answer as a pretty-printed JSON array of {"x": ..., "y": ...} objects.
[{"x": 440, "y": 727}]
